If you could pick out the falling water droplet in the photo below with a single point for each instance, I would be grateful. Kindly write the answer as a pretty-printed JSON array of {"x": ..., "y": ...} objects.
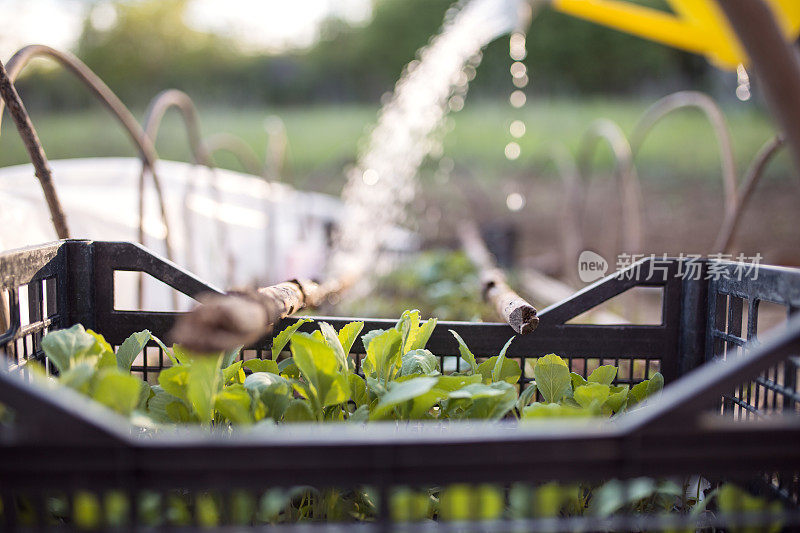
[
  {"x": 370, "y": 176},
  {"x": 456, "y": 103},
  {"x": 517, "y": 99},
  {"x": 520, "y": 82},
  {"x": 471, "y": 72},
  {"x": 516, "y": 46},
  {"x": 515, "y": 201},
  {"x": 743, "y": 89},
  {"x": 518, "y": 69},
  {"x": 513, "y": 151},
  {"x": 517, "y": 129}
]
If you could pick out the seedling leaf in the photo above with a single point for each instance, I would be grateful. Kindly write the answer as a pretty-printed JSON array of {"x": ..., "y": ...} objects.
[
  {"x": 298, "y": 411},
  {"x": 234, "y": 404},
  {"x": 419, "y": 362},
  {"x": 117, "y": 390},
  {"x": 401, "y": 392},
  {"x": 64, "y": 346},
  {"x": 603, "y": 374},
  {"x": 204, "y": 380},
  {"x": 332, "y": 338},
  {"x": 420, "y": 336},
  {"x": 383, "y": 355},
  {"x": 264, "y": 365},
  {"x": 466, "y": 354},
  {"x": 230, "y": 356},
  {"x": 498, "y": 369},
  {"x": 282, "y": 339},
  {"x": 527, "y": 395},
  {"x": 552, "y": 377},
  {"x": 320, "y": 367},
  {"x": 592, "y": 395},
  {"x": 348, "y": 335}
]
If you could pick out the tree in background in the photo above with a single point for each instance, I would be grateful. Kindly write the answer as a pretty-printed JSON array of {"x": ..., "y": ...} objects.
[
  {"x": 564, "y": 54},
  {"x": 149, "y": 47},
  {"x": 363, "y": 63}
]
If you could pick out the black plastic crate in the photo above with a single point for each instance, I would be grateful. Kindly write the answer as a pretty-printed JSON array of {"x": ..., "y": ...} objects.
[{"x": 62, "y": 453}]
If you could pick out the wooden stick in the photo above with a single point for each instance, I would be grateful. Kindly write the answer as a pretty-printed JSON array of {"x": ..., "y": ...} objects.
[
  {"x": 241, "y": 317},
  {"x": 516, "y": 312},
  {"x": 110, "y": 101},
  {"x": 5, "y": 312},
  {"x": 34, "y": 147},
  {"x": 774, "y": 61}
]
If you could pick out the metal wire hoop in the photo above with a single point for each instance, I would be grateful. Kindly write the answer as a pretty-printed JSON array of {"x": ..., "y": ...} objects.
[{"x": 111, "y": 102}]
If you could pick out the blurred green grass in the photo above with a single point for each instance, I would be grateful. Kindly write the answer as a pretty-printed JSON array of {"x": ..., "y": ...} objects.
[{"x": 323, "y": 140}]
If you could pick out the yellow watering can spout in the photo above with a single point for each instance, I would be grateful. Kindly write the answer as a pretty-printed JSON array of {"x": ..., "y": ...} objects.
[{"x": 697, "y": 26}]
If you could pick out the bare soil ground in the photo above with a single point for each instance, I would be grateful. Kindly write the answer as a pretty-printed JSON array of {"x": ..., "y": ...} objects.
[{"x": 679, "y": 217}]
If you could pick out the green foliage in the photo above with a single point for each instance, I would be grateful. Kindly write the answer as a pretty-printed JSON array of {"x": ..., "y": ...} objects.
[
  {"x": 552, "y": 377},
  {"x": 117, "y": 390},
  {"x": 406, "y": 396},
  {"x": 438, "y": 283},
  {"x": 233, "y": 403},
  {"x": 645, "y": 388},
  {"x": 151, "y": 47},
  {"x": 569, "y": 395},
  {"x": 67, "y": 345},
  {"x": 458, "y": 502},
  {"x": 498, "y": 368},
  {"x": 465, "y": 352},
  {"x": 731, "y": 499},
  {"x": 383, "y": 353},
  {"x": 262, "y": 365},
  {"x": 603, "y": 374},
  {"x": 326, "y": 381},
  {"x": 403, "y": 382},
  {"x": 480, "y": 401},
  {"x": 282, "y": 339},
  {"x": 419, "y": 361},
  {"x": 525, "y": 398},
  {"x": 410, "y": 506},
  {"x": 298, "y": 411},
  {"x": 348, "y": 335},
  {"x": 614, "y": 495},
  {"x": 545, "y": 501},
  {"x": 271, "y": 394},
  {"x": 132, "y": 347}
]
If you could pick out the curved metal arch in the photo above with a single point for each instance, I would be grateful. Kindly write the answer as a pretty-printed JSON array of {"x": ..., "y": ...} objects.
[
  {"x": 244, "y": 154},
  {"x": 174, "y": 98},
  {"x": 571, "y": 234},
  {"x": 732, "y": 219},
  {"x": 627, "y": 178},
  {"x": 157, "y": 109},
  {"x": 114, "y": 105},
  {"x": 277, "y": 143},
  {"x": 715, "y": 116}
]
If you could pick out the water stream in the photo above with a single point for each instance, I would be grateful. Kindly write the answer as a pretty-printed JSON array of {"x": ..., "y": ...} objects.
[{"x": 382, "y": 183}]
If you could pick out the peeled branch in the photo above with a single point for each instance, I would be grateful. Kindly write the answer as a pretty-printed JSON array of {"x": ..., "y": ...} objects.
[
  {"x": 515, "y": 311},
  {"x": 240, "y": 318}
]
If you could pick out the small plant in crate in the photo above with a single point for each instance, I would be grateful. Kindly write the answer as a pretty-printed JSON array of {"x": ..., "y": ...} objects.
[
  {"x": 319, "y": 381},
  {"x": 399, "y": 379}
]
